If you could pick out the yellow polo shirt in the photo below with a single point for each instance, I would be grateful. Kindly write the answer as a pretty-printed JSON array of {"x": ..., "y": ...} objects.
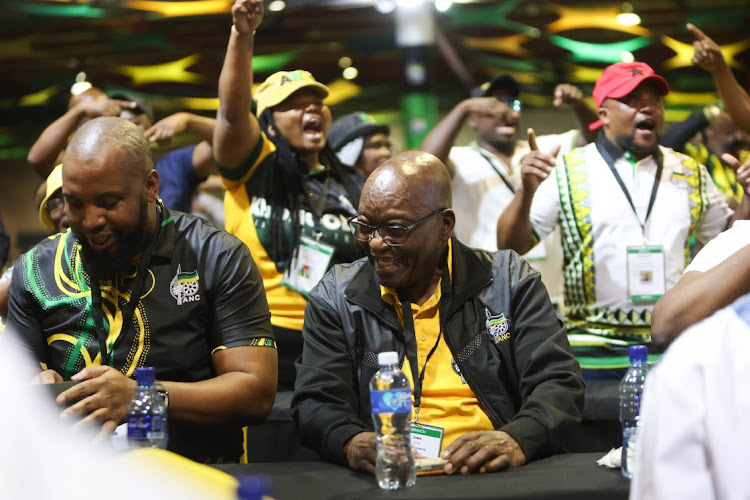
[{"x": 447, "y": 401}]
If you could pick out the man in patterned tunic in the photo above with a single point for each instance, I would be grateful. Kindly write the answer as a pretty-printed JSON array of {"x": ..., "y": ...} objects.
[
  {"x": 626, "y": 208},
  {"x": 134, "y": 285}
]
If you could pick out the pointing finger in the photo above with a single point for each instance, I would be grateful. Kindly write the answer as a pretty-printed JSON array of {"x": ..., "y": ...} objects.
[
  {"x": 558, "y": 100},
  {"x": 532, "y": 139},
  {"x": 731, "y": 161},
  {"x": 697, "y": 33}
]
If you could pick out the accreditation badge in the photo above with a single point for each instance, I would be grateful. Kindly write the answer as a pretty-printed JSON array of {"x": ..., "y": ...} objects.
[
  {"x": 426, "y": 439},
  {"x": 309, "y": 266},
  {"x": 646, "y": 274}
]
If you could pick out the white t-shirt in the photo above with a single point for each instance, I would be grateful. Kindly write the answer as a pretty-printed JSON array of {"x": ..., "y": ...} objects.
[
  {"x": 483, "y": 186},
  {"x": 596, "y": 277},
  {"x": 40, "y": 457},
  {"x": 722, "y": 247},
  {"x": 694, "y": 434}
]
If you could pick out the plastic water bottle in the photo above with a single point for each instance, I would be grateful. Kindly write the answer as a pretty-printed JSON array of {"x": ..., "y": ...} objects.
[
  {"x": 631, "y": 391},
  {"x": 146, "y": 413},
  {"x": 390, "y": 398}
]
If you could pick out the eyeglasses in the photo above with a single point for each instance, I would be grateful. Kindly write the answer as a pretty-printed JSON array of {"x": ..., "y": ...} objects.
[{"x": 394, "y": 236}]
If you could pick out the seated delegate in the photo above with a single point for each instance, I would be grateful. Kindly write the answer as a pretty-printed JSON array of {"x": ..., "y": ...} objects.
[
  {"x": 132, "y": 285},
  {"x": 481, "y": 322}
]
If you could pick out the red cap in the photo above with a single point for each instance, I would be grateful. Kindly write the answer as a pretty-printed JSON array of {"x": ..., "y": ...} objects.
[{"x": 620, "y": 79}]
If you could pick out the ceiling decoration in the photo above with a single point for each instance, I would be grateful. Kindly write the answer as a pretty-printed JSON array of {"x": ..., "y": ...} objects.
[
  {"x": 598, "y": 52},
  {"x": 181, "y": 9},
  {"x": 171, "y": 51},
  {"x": 582, "y": 74},
  {"x": 39, "y": 98},
  {"x": 512, "y": 45},
  {"x": 174, "y": 71},
  {"x": 592, "y": 17},
  {"x": 56, "y": 9},
  {"x": 491, "y": 16},
  {"x": 18, "y": 48}
]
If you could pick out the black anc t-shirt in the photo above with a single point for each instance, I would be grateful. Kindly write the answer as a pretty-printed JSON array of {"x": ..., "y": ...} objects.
[{"x": 202, "y": 293}]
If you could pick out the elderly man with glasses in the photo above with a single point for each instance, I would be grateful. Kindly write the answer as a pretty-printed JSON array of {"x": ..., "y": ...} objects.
[{"x": 494, "y": 377}]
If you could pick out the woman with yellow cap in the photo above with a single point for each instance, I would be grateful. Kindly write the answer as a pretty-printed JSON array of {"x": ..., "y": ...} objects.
[{"x": 288, "y": 197}]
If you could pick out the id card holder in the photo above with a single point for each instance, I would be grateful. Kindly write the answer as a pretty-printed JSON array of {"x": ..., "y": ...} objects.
[
  {"x": 646, "y": 273},
  {"x": 427, "y": 439},
  {"x": 309, "y": 266}
]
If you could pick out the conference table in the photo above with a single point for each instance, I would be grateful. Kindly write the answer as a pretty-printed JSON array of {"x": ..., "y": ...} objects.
[{"x": 574, "y": 476}]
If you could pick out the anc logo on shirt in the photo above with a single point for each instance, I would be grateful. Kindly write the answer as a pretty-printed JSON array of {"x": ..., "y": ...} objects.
[
  {"x": 184, "y": 286},
  {"x": 497, "y": 326}
]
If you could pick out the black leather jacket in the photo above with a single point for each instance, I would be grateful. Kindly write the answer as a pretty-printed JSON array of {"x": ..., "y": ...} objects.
[{"x": 528, "y": 382}]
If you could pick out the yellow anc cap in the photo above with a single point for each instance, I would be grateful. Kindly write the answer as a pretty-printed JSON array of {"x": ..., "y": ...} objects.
[
  {"x": 54, "y": 183},
  {"x": 281, "y": 85}
]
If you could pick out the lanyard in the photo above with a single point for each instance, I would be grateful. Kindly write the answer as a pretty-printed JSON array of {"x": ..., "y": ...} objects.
[
  {"x": 503, "y": 177},
  {"x": 317, "y": 198},
  {"x": 411, "y": 336},
  {"x": 611, "y": 164},
  {"x": 107, "y": 356}
]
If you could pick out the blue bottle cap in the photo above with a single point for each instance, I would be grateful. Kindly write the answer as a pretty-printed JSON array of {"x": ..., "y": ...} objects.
[
  {"x": 145, "y": 375},
  {"x": 253, "y": 488},
  {"x": 638, "y": 353}
]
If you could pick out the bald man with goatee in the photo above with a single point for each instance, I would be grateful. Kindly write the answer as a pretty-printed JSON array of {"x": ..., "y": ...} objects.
[
  {"x": 479, "y": 324},
  {"x": 134, "y": 285}
]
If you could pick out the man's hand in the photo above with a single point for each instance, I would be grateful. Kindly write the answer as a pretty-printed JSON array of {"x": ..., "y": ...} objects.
[
  {"x": 536, "y": 166},
  {"x": 247, "y": 15},
  {"x": 94, "y": 108},
  {"x": 103, "y": 392},
  {"x": 488, "y": 106},
  {"x": 47, "y": 377},
  {"x": 361, "y": 451},
  {"x": 567, "y": 95},
  {"x": 707, "y": 53},
  {"x": 485, "y": 451},
  {"x": 165, "y": 129},
  {"x": 741, "y": 171}
]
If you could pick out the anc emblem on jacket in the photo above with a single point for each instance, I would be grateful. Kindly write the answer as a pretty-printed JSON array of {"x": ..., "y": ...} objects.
[
  {"x": 184, "y": 286},
  {"x": 497, "y": 326}
]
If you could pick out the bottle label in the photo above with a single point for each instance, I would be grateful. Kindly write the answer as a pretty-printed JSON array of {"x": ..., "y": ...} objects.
[
  {"x": 631, "y": 450},
  {"x": 145, "y": 427},
  {"x": 393, "y": 401},
  {"x": 157, "y": 427}
]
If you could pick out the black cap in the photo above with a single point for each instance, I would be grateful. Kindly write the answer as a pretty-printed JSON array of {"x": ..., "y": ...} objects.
[
  {"x": 502, "y": 81},
  {"x": 351, "y": 126},
  {"x": 140, "y": 103}
]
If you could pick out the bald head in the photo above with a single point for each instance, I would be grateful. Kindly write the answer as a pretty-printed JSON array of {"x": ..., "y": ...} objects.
[
  {"x": 406, "y": 202},
  {"x": 413, "y": 174},
  {"x": 108, "y": 133}
]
